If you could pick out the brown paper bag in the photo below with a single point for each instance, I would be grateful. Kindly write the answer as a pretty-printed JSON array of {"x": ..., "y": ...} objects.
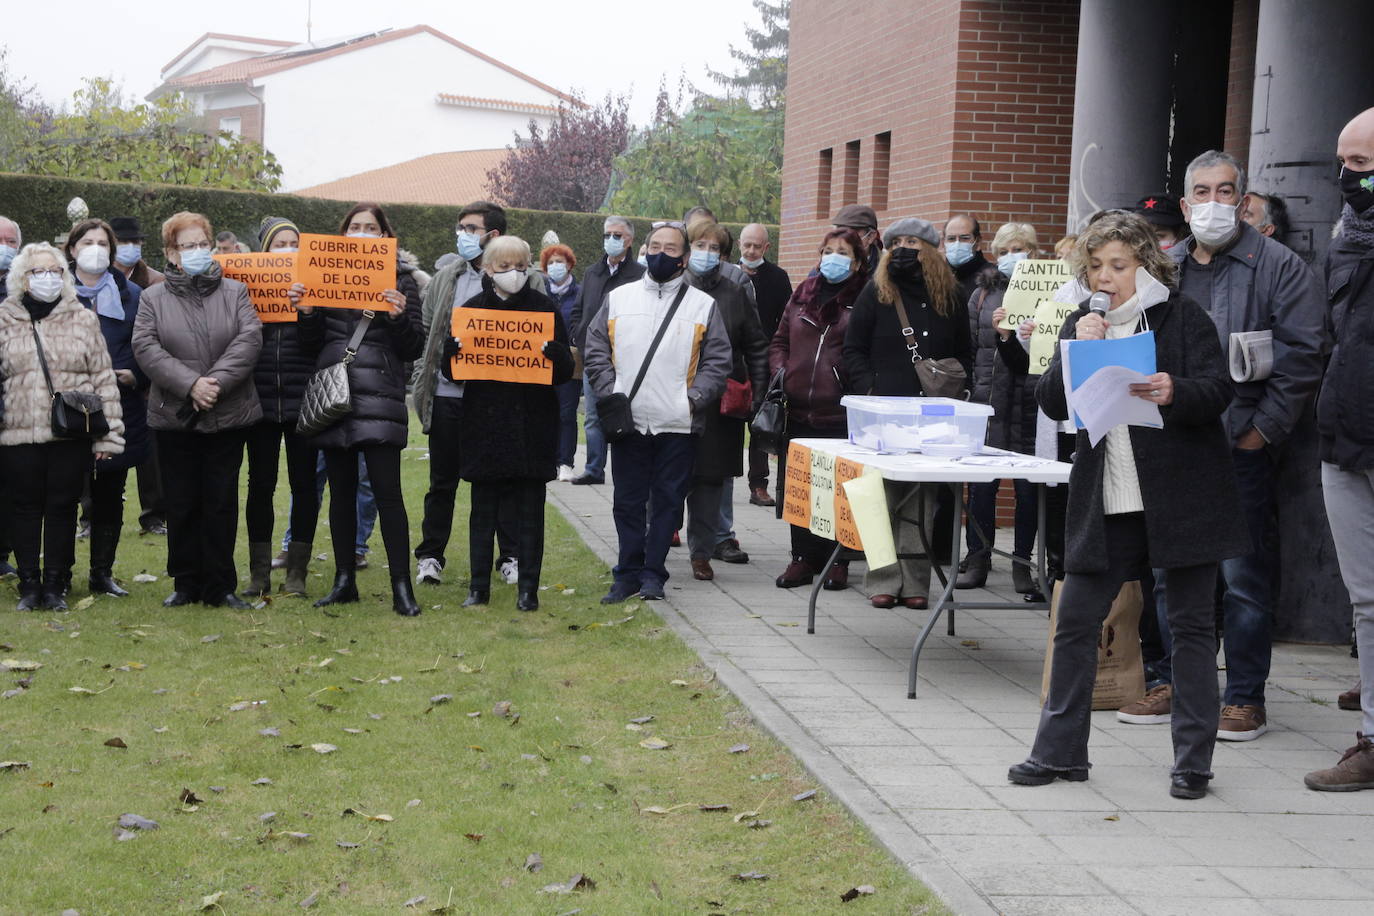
[{"x": 1120, "y": 667}]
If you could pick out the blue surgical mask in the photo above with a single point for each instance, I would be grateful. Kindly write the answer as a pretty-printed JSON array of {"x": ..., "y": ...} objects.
[
  {"x": 1007, "y": 262},
  {"x": 128, "y": 254},
  {"x": 196, "y": 261},
  {"x": 7, "y": 256},
  {"x": 958, "y": 253},
  {"x": 558, "y": 271},
  {"x": 613, "y": 246},
  {"x": 752, "y": 264},
  {"x": 836, "y": 267},
  {"x": 469, "y": 246},
  {"x": 643, "y": 260},
  {"x": 703, "y": 262}
]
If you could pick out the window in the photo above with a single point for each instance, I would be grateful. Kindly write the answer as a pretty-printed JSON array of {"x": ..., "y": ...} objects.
[
  {"x": 232, "y": 125},
  {"x": 882, "y": 158},
  {"x": 824, "y": 168},
  {"x": 849, "y": 191}
]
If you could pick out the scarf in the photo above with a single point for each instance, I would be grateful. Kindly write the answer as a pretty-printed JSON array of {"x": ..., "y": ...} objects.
[
  {"x": 185, "y": 286},
  {"x": 105, "y": 295},
  {"x": 37, "y": 309},
  {"x": 1358, "y": 227}
]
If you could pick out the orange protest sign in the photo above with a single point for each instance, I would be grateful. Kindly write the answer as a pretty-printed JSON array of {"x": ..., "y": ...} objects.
[
  {"x": 846, "y": 531},
  {"x": 796, "y": 489},
  {"x": 346, "y": 273},
  {"x": 268, "y": 275},
  {"x": 500, "y": 345}
]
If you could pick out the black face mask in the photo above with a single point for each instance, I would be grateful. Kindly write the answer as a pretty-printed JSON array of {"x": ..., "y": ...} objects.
[
  {"x": 662, "y": 266},
  {"x": 1358, "y": 189},
  {"x": 904, "y": 261}
]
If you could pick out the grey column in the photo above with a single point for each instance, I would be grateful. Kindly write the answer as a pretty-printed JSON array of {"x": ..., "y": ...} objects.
[
  {"x": 1313, "y": 73},
  {"x": 1121, "y": 106}
]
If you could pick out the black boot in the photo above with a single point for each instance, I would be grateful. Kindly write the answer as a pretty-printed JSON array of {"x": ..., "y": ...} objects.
[
  {"x": 403, "y": 598},
  {"x": 345, "y": 590},
  {"x": 30, "y": 591},
  {"x": 1023, "y": 579},
  {"x": 975, "y": 571},
  {"x": 477, "y": 595},
  {"x": 527, "y": 598},
  {"x": 55, "y": 585},
  {"x": 259, "y": 570},
  {"x": 104, "y": 543}
]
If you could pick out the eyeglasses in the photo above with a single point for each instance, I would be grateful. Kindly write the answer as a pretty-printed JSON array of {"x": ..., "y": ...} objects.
[
  {"x": 670, "y": 223},
  {"x": 192, "y": 246},
  {"x": 45, "y": 273},
  {"x": 473, "y": 228},
  {"x": 616, "y": 235}
]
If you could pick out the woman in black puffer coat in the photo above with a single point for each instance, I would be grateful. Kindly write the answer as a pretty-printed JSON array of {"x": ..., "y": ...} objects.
[
  {"x": 377, "y": 425},
  {"x": 509, "y": 438},
  {"x": 281, "y": 374}
]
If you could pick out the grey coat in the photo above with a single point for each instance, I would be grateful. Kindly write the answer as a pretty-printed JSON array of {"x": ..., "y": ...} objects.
[
  {"x": 1259, "y": 284},
  {"x": 1187, "y": 479},
  {"x": 179, "y": 340}
]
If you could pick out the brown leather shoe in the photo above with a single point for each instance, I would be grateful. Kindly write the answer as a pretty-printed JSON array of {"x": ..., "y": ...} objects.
[
  {"x": 797, "y": 573},
  {"x": 883, "y": 601},
  {"x": 1350, "y": 699},
  {"x": 837, "y": 579},
  {"x": 759, "y": 497},
  {"x": 701, "y": 569},
  {"x": 916, "y": 604}
]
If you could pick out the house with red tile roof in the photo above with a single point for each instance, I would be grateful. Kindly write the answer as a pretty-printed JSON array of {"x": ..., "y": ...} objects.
[{"x": 351, "y": 107}]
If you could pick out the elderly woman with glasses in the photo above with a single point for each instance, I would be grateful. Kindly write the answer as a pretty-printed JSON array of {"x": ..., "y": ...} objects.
[
  {"x": 49, "y": 342},
  {"x": 197, "y": 336}
]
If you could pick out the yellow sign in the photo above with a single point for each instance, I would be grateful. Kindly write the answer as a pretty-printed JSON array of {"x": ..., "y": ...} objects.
[
  {"x": 1032, "y": 282},
  {"x": 868, "y": 503},
  {"x": 502, "y": 345},
  {"x": 1049, "y": 318},
  {"x": 346, "y": 273},
  {"x": 846, "y": 531},
  {"x": 823, "y": 495},
  {"x": 268, "y": 275}
]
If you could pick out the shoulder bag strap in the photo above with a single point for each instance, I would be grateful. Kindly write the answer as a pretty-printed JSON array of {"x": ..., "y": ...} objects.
[
  {"x": 359, "y": 330},
  {"x": 653, "y": 347},
  {"x": 907, "y": 331},
  {"x": 42, "y": 360}
]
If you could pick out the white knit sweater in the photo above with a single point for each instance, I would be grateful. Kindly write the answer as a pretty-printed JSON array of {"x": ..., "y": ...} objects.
[{"x": 1120, "y": 483}]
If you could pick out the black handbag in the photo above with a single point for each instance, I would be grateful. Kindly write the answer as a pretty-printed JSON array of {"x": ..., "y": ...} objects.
[
  {"x": 75, "y": 414},
  {"x": 613, "y": 411},
  {"x": 769, "y": 426},
  {"x": 328, "y": 398}
]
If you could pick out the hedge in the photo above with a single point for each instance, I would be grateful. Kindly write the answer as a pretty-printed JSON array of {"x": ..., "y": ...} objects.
[{"x": 39, "y": 204}]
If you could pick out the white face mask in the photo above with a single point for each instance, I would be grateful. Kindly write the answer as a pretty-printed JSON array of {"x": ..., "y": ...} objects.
[
  {"x": 1212, "y": 222},
  {"x": 93, "y": 259},
  {"x": 509, "y": 281},
  {"x": 362, "y": 235},
  {"x": 45, "y": 289}
]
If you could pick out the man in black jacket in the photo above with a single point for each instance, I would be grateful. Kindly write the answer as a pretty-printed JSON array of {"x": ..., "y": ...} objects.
[
  {"x": 772, "y": 289},
  {"x": 1345, "y": 415},
  {"x": 615, "y": 269},
  {"x": 963, "y": 244}
]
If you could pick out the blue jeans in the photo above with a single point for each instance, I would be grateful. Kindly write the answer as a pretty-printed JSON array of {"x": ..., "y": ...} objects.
[
  {"x": 568, "y": 393},
  {"x": 367, "y": 503},
  {"x": 1248, "y": 603},
  {"x": 596, "y": 442},
  {"x": 650, "y": 477}
]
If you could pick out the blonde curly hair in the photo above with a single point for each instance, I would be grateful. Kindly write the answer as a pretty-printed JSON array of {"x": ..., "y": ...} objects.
[{"x": 1132, "y": 231}]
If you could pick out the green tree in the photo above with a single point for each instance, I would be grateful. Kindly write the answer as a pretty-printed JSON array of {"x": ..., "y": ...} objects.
[
  {"x": 105, "y": 136},
  {"x": 21, "y": 113},
  {"x": 764, "y": 77}
]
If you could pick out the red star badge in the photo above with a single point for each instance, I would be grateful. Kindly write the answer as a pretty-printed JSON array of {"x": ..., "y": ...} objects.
[{"x": 1150, "y": 204}]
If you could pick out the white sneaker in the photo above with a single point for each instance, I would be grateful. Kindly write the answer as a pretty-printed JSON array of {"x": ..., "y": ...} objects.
[
  {"x": 427, "y": 572},
  {"x": 566, "y": 473},
  {"x": 510, "y": 571}
]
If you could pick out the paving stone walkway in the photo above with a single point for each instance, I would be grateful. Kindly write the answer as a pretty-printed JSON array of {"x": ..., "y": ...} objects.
[{"x": 928, "y": 776}]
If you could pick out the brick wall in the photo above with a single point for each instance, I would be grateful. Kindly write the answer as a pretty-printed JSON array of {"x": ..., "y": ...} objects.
[
  {"x": 250, "y": 117},
  {"x": 1241, "y": 78},
  {"x": 959, "y": 104}
]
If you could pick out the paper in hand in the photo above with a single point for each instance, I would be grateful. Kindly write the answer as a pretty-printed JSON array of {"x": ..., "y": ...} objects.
[{"x": 1098, "y": 375}]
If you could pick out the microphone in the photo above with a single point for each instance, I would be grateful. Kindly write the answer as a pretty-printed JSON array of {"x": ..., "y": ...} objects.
[{"x": 1099, "y": 303}]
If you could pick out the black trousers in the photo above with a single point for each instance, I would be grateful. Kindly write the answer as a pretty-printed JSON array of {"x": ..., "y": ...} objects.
[
  {"x": 107, "y": 495},
  {"x": 152, "y": 506},
  {"x": 445, "y": 454},
  {"x": 4, "y": 514},
  {"x": 264, "y": 453},
  {"x": 384, "y": 470},
  {"x": 812, "y": 548},
  {"x": 520, "y": 500},
  {"x": 200, "y": 480},
  {"x": 45, "y": 484}
]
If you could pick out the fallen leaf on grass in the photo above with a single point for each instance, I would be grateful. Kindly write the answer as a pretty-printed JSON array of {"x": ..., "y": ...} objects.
[
  {"x": 308, "y": 902},
  {"x": 855, "y": 892},
  {"x": 439, "y": 698},
  {"x": 263, "y": 781},
  {"x": 633, "y": 727},
  {"x": 160, "y": 730},
  {"x": 326, "y": 663},
  {"x": 502, "y": 709},
  {"x": 84, "y": 603},
  {"x": 14, "y": 766},
  {"x": 677, "y": 682},
  {"x": 10, "y": 694},
  {"x": 14, "y": 664},
  {"x": 744, "y": 815},
  {"x": 739, "y": 749},
  {"x": 246, "y": 704},
  {"x": 323, "y": 748},
  {"x": 642, "y": 720},
  {"x": 475, "y": 837},
  {"x": 751, "y": 876},
  {"x": 345, "y": 845},
  {"x": 655, "y": 744},
  {"x": 270, "y": 732},
  {"x": 144, "y": 578},
  {"x": 413, "y": 803},
  {"x": 713, "y": 807},
  {"x": 534, "y": 863},
  {"x": 267, "y": 817},
  {"x": 210, "y": 901},
  {"x": 86, "y": 691},
  {"x": 116, "y": 742},
  {"x": 187, "y": 797},
  {"x": 135, "y": 822},
  {"x": 380, "y": 818},
  {"x": 803, "y": 796},
  {"x": 121, "y": 835},
  {"x": 415, "y": 901},
  {"x": 576, "y": 882},
  {"x": 758, "y": 825},
  {"x": 211, "y": 638}
]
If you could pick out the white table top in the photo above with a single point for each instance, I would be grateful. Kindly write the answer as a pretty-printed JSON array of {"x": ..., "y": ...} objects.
[{"x": 989, "y": 465}]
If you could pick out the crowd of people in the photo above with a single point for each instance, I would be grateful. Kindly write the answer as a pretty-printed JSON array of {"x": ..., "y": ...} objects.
[{"x": 670, "y": 344}]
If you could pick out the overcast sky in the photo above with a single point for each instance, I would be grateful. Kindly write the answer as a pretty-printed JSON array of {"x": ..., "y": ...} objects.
[{"x": 585, "y": 45}]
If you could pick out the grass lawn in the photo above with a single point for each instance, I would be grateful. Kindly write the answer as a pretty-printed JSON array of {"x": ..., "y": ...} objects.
[{"x": 468, "y": 746}]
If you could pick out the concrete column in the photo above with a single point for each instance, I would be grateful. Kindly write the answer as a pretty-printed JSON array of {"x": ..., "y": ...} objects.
[
  {"x": 1313, "y": 73},
  {"x": 1123, "y": 94}
]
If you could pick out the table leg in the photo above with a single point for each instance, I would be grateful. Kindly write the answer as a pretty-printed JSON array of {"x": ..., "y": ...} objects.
[{"x": 816, "y": 589}]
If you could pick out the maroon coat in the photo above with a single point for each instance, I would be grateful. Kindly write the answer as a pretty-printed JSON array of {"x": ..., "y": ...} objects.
[{"x": 809, "y": 344}]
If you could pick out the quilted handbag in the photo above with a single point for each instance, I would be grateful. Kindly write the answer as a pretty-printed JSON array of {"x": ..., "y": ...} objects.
[{"x": 328, "y": 398}]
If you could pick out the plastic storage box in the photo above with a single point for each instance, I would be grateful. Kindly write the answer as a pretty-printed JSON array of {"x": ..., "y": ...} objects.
[{"x": 908, "y": 424}]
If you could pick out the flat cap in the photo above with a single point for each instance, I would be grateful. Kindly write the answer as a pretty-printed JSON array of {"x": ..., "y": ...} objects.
[{"x": 856, "y": 216}]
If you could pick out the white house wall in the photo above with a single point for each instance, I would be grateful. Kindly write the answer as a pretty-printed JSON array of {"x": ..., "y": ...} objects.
[{"x": 377, "y": 106}]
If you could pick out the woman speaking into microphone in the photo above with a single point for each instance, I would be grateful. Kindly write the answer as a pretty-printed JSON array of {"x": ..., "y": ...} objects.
[{"x": 1162, "y": 498}]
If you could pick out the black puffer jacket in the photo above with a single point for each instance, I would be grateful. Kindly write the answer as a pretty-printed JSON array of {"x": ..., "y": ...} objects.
[
  {"x": 281, "y": 373},
  {"x": 1004, "y": 382},
  {"x": 986, "y": 297},
  {"x": 510, "y": 429},
  {"x": 875, "y": 351},
  {"x": 377, "y": 376},
  {"x": 1345, "y": 411}
]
